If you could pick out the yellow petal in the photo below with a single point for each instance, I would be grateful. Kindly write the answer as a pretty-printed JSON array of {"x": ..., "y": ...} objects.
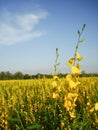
[
  {"x": 72, "y": 114},
  {"x": 55, "y": 95},
  {"x": 70, "y": 95},
  {"x": 79, "y": 58},
  {"x": 71, "y": 61},
  {"x": 69, "y": 77},
  {"x": 76, "y": 70},
  {"x": 92, "y": 109},
  {"x": 72, "y": 84},
  {"x": 96, "y": 107},
  {"x": 54, "y": 84},
  {"x": 55, "y": 77}
]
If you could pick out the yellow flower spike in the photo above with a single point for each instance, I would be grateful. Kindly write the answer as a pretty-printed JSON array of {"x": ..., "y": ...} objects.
[
  {"x": 55, "y": 95},
  {"x": 69, "y": 77},
  {"x": 79, "y": 58},
  {"x": 96, "y": 120},
  {"x": 96, "y": 106},
  {"x": 78, "y": 66},
  {"x": 62, "y": 124},
  {"x": 67, "y": 105},
  {"x": 70, "y": 95},
  {"x": 72, "y": 114},
  {"x": 92, "y": 109},
  {"x": 71, "y": 61},
  {"x": 77, "y": 83},
  {"x": 72, "y": 84},
  {"x": 88, "y": 103},
  {"x": 76, "y": 69},
  {"x": 75, "y": 99},
  {"x": 54, "y": 84},
  {"x": 55, "y": 77}
]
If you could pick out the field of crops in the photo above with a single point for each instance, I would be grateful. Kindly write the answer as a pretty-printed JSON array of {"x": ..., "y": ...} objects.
[
  {"x": 69, "y": 103},
  {"x": 49, "y": 104}
]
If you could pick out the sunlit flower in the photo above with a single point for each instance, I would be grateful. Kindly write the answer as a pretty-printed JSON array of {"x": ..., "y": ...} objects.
[
  {"x": 55, "y": 77},
  {"x": 72, "y": 84},
  {"x": 96, "y": 120},
  {"x": 71, "y": 61},
  {"x": 76, "y": 69},
  {"x": 79, "y": 58},
  {"x": 72, "y": 114},
  {"x": 70, "y": 95},
  {"x": 67, "y": 105},
  {"x": 62, "y": 124},
  {"x": 92, "y": 109},
  {"x": 88, "y": 103},
  {"x": 96, "y": 106},
  {"x": 77, "y": 83},
  {"x": 54, "y": 83},
  {"x": 55, "y": 95},
  {"x": 68, "y": 77}
]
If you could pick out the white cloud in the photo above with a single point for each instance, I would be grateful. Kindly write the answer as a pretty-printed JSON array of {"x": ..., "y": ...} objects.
[{"x": 16, "y": 28}]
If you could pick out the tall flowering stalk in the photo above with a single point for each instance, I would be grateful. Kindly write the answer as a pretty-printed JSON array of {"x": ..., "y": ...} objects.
[
  {"x": 57, "y": 63},
  {"x": 72, "y": 79},
  {"x": 74, "y": 61}
]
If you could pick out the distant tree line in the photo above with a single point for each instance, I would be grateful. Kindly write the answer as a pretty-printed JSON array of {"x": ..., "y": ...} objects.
[{"x": 19, "y": 75}]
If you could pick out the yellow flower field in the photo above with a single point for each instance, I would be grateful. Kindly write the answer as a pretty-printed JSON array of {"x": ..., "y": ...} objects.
[{"x": 49, "y": 104}]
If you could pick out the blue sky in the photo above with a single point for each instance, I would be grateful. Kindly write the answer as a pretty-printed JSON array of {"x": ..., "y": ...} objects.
[{"x": 31, "y": 30}]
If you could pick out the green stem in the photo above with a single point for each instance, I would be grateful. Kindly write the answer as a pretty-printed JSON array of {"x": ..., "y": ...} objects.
[
  {"x": 20, "y": 120},
  {"x": 78, "y": 42}
]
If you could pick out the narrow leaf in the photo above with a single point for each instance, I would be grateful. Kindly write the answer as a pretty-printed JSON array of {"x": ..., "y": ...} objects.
[
  {"x": 78, "y": 32},
  {"x": 84, "y": 25},
  {"x": 33, "y": 126},
  {"x": 82, "y": 40}
]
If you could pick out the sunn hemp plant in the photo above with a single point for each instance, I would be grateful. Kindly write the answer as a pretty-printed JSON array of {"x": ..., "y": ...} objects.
[
  {"x": 72, "y": 79},
  {"x": 74, "y": 61}
]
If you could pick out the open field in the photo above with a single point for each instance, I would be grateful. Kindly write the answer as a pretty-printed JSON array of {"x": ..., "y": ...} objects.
[{"x": 49, "y": 104}]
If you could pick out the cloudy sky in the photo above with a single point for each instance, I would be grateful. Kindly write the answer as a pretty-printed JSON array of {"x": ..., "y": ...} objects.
[{"x": 31, "y": 30}]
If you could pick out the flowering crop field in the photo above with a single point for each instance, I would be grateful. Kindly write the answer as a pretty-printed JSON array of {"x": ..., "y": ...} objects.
[
  {"x": 69, "y": 103},
  {"x": 49, "y": 104}
]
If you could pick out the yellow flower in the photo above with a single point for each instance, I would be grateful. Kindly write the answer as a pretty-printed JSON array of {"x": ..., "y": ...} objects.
[
  {"x": 55, "y": 77},
  {"x": 71, "y": 61},
  {"x": 76, "y": 69},
  {"x": 79, "y": 58},
  {"x": 55, "y": 95},
  {"x": 96, "y": 106},
  {"x": 72, "y": 84},
  {"x": 54, "y": 84},
  {"x": 67, "y": 105},
  {"x": 77, "y": 83},
  {"x": 70, "y": 95},
  {"x": 88, "y": 103},
  {"x": 68, "y": 77},
  {"x": 72, "y": 114},
  {"x": 62, "y": 124},
  {"x": 96, "y": 120},
  {"x": 92, "y": 109}
]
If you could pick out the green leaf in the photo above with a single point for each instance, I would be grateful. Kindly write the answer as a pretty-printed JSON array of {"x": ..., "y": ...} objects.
[
  {"x": 84, "y": 25},
  {"x": 33, "y": 127},
  {"x": 12, "y": 119},
  {"x": 78, "y": 32},
  {"x": 82, "y": 40}
]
